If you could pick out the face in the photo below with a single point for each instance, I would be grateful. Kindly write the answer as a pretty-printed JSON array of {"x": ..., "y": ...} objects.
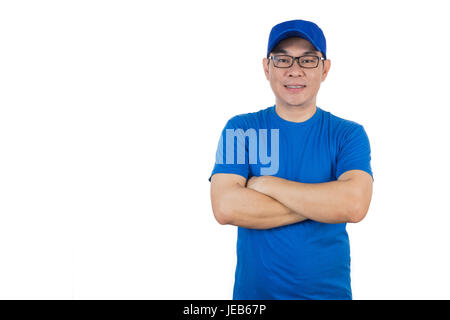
[{"x": 282, "y": 79}]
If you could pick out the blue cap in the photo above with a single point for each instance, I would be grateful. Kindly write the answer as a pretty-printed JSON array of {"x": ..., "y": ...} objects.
[{"x": 298, "y": 28}]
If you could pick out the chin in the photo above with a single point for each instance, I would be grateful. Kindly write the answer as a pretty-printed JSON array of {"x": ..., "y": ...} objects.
[
  {"x": 294, "y": 103},
  {"x": 290, "y": 100}
]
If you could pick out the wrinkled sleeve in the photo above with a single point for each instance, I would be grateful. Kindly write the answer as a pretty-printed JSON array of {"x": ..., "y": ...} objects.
[
  {"x": 232, "y": 152},
  {"x": 354, "y": 152}
]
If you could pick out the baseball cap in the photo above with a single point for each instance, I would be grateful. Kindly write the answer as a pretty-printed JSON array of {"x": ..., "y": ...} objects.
[{"x": 298, "y": 28}]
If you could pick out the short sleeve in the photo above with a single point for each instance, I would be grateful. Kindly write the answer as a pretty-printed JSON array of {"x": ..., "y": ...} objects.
[
  {"x": 354, "y": 152},
  {"x": 232, "y": 151}
]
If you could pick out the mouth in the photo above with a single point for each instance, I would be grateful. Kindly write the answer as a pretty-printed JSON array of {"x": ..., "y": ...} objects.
[
  {"x": 298, "y": 86},
  {"x": 295, "y": 88}
]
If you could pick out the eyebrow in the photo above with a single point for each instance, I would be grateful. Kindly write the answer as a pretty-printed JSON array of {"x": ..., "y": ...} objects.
[{"x": 285, "y": 52}]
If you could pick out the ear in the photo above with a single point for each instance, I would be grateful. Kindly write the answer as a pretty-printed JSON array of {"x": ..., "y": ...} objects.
[
  {"x": 326, "y": 68},
  {"x": 265, "y": 63}
]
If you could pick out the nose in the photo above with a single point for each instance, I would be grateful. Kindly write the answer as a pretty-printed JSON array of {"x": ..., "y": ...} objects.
[{"x": 295, "y": 70}]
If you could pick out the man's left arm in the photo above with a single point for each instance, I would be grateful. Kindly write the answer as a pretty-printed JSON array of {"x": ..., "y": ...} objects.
[{"x": 344, "y": 200}]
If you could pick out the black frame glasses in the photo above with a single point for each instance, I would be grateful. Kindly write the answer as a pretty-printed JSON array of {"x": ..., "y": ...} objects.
[{"x": 298, "y": 60}]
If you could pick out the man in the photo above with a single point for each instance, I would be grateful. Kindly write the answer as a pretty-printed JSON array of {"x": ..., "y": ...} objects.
[{"x": 291, "y": 207}]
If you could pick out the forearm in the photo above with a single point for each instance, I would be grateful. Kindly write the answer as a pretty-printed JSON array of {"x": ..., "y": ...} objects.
[
  {"x": 329, "y": 202},
  {"x": 251, "y": 209}
]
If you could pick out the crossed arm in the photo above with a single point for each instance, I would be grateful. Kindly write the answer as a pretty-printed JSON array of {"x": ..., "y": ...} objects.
[{"x": 267, "y": 202}]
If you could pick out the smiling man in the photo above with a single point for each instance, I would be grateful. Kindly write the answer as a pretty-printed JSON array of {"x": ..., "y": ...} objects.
[{"x": 292, "y": 240}]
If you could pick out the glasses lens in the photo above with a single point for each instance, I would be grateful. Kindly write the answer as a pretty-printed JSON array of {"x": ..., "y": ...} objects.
[
  {"x": 282, "y": 61},
  {"x": 309, "y": 61}
]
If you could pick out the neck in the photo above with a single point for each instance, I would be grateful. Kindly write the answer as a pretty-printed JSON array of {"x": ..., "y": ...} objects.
[{"x": 295, "y": 113}]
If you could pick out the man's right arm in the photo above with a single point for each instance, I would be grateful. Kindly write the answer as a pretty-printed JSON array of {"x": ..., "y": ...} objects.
[{"x": 237, "y": 205}]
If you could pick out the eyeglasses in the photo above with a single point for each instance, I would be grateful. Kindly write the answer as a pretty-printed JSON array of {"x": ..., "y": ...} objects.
[{"x": 285, "y": 61}]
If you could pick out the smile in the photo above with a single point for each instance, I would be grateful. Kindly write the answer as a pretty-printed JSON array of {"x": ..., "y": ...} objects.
[{"x": 295, "y": 87}]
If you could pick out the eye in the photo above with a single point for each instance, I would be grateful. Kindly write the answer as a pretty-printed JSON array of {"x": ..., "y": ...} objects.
[
  {"x": 282, "y": 60},
  {"x": 308, "y": 60}
]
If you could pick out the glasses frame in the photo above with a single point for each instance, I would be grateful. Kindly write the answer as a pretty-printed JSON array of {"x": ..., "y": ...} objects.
[{"x": 298, "y": 60}]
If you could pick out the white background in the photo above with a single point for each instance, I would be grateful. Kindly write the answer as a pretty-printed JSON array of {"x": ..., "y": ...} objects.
[{"x": 105, "y": 152}]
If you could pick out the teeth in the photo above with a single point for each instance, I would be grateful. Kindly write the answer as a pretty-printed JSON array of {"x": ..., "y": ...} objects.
[{"x": 295, "y": 87}]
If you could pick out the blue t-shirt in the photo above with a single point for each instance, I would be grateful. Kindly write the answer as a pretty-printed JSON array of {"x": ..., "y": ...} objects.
[{"x": 305, "y": 260}]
